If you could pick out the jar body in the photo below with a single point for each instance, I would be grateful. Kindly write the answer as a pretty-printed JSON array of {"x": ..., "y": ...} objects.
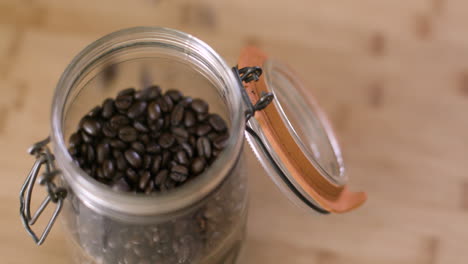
[
  {"x": 211, "y": 231},
  {"x": 202, "y": 221}
]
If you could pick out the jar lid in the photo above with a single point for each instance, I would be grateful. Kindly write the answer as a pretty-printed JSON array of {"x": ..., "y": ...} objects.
[{"x": 294, "y": 141}]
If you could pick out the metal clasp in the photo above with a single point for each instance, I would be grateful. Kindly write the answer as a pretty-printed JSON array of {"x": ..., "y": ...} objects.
[
  {"x": 55, "y": 194},
  {"x": 248, "y": 74}
]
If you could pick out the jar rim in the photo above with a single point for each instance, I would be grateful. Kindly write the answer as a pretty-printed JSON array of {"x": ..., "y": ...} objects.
[{"x": 100, "y": 196}]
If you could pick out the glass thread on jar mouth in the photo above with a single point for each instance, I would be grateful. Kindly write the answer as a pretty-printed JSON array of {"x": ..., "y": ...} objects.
[{"x": 195, "y": 53}]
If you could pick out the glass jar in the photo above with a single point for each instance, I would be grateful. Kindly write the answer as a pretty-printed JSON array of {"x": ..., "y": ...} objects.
[{"x": 204, "y": 220}]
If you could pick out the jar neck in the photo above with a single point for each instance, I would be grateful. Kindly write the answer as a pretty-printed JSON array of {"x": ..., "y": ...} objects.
[{"x": 196, "y": 54}]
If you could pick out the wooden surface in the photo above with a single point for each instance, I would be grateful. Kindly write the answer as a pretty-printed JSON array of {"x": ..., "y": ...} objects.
[{"x": 392, "y": 75}]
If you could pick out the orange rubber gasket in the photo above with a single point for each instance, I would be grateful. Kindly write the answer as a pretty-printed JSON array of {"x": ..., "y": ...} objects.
[{"x": 333, "y": 198}]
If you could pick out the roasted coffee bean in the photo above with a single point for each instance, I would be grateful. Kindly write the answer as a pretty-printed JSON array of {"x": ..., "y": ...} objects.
[
  {"x": 192, "y": 130},
  {"x": 129, "y": 91},
  {"x": 181, "y": 157},
  {"x": 73, "y": 151},
  {"x": 167, "y": 122},
  {"x": 204, "y": 147},
  {"x": 128, "y": 134},
  {"x": 108, "y": 169},
  {"x": 91, "y": 126},
  {"x": 166, "y": 155},
  {"x": 221, "y": 141},
  {"x": 169, "y": 103},
  {"x": 75, "y": 140},
  {"x": 145, "y": 177},
  {"x": 133, "y": 158},
  {"x": 144, "y": 138},
  {"x": 177, "y": 115},
  {"x": 215, "y": 153},
  {"x": 171, "y": 164},
  {"x": 148, "y": 93},
  {"x": 149, "y": 188},
  {"x": 166, "y": 140},
  {"x": 156, "y": 164},
  {"x": 139, "y": 147},
  {"x": 192, "y": 140},
  {"x": 141, "y": 95},
  {"x": 84, "y": 150},
  {"x": 175, "y": 95},
  {"x": 199, "y": 106},
  {"x": 108, "y": 131},
  {"x": 138, "y": 108},
  {"x": 180, "y": 132},
  {"x": 81, "y": 161},
  {"x": 180, "y": 140},
  {"x": 203, "y": 129},
  {"x": 140, "y": 127},
  {"x": 119, "y": 121},
  {"x": 100, "y": 173},
  {"x": 188, "y": 149},
  {"x": 202, "y": 117},
  {"x": 123, "y": 102},
  {"x": 117, "y": 144},
  {"x": 179, "y": 169},
  {"x": 95, "y": 112},
  {"x": 186, "y": 101},
  {"x": 155, "y": 134},
  {"x": 175, "y": 148},
  {"x": 86, "y": 137},
  {"x": 189, "y": 119},
  {"x": 107, "y": 108},
  {"x": 154, "y": 110},
  {"x": 121, "y": 163},
  {"x": 177, "y": 177},
  {"x": 162, "y": 105},
  {"x": 153, "y": 92},
  {"x": 147, "y": 162},
  {"x": 132, "y": 176},
  {"x": 198, "y": 165},
  {"x": 91, "y": 156},
  {"x": 121, "y": 185},
  {"x": 217, "y": 122},
  {"x": 161, "y": 177},
  {"x": 157, "y": 125},
  {"x": 212, "y": 135},
  {"x": 168, "y": 185},
  {"x": 153, "y": 148},
  {"x": 102, "y": 152}
]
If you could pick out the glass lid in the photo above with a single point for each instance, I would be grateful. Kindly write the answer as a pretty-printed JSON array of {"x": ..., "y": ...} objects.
[{"x": 294, "y": 141}]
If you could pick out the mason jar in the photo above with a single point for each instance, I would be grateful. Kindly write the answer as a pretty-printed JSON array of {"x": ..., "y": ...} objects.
[{"x": 203, "y": 221}]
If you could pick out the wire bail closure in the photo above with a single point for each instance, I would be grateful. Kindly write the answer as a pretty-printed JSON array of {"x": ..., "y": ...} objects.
[
  {"x": 248, "y": 74},
  {"x": 55, "y": 194}
]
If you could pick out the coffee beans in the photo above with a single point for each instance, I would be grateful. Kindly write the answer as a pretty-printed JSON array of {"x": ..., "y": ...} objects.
[
  {"x": 123, "y": 102},
  {"x": 136, "y": 109},
  {"x": 147, "y": 141},
  {"x": 199, "y": 106},
  {"x": 217, "y": 123},
  {"x": 166, "y": 140},
  {"x": 107, "y": 108},
  {"x": 91, "y": 126},
  {"x": 133, "y": 158},
  {"x": 128, "y": 134}
]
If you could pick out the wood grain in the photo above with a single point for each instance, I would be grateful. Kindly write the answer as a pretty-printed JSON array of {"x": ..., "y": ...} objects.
[{"x": 392, "y": 75}]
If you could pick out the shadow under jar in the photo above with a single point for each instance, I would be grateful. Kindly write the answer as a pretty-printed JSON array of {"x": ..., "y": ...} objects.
[{"x": 202, "y": 221}]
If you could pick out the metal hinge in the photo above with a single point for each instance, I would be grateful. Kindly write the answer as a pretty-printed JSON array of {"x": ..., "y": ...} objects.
[
  {"x": 55, "y": 194},
  {"x": 249, "y": 74}
]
